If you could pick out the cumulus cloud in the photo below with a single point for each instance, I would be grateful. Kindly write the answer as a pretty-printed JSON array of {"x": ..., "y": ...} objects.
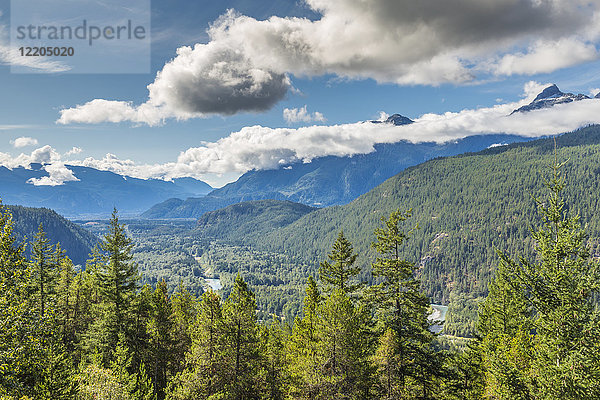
[
  {"x": 58, "y": 174},
  {"x": 200, "y": 81},
  {"x": 246, "y": 63},
  {"x": 51, "y": 162},
  {"x": 73, "y": 151},
  {"x": 24, "y": 141},
  {"x": 545, "y": 56},
  {"x": 258, "y": 147},
  {"x": 293, "y": 115}
]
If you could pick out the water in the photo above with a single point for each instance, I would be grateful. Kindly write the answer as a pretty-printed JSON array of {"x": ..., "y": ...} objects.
[
  {"x": 215, "y": 284},
  {"x": 438, "y": 314}
]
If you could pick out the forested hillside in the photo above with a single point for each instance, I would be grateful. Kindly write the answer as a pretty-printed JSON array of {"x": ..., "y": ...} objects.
[
  {"x": 254, "y": 218},
  {"x": 75, "y": 240},
  {"x": 465, "y": 206}
]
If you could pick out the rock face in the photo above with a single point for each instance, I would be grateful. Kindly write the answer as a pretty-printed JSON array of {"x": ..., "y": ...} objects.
[
  {"x": 395, "y": 119},
  {"x": 550, "y": 97}
]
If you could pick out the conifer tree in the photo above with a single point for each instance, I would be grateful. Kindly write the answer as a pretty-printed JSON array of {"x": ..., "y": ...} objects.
[
  {"x": 507, "y": 349},
  {"x": 205, "y": 372},
  {"x": 401, "y": 307},
  {"x": 273, "y": 339},
  {"x": 560, "y": 286},
  {"x": 57, "y": 380},
  {"x": 341, "y": 271},
  {"x": 44, "y": 268},
  {"x": 116, "y": 278},
  {"x": 301, "y": 350},
  {"x": 22, "y": 330},
  {"x": 118, "y": 275},
  {"x": 184, "y": 306},
  {"x": 241, "y": 356},
  {"x": 343, "y": 348},
  {"x": 160, "y": 327}
]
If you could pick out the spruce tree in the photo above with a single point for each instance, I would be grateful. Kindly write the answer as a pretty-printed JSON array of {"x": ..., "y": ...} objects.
[
  {"x": 205, "y": 372},
  {"x": 21, "y": 328},
  {"x": 161, "y": 343},
  {"x": 340, "y": 273},
  {"x": 401, "y": 307},
  {"x": 507, "y": 350},
  {"x": 241, "y": 354},
  {"x": 301, "y": 350},
  {"x": 44, "y": 267},
  {"x": 343, "y": 348},
  {"x": 560, "y": 286},
  {"x": 116, "y": 278},
  {"x": 118, "y": 274}
]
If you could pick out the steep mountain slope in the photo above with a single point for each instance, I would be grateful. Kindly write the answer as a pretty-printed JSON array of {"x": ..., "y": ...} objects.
[
  {"x": 75, "y": 240},
  {"x": 465, "y": 206},
  {"x": 325, "y": 181},
  {"x": 550, "y": 97},
  {"x": 96, "y": 192},
  {"x": 254, "y": 218}
]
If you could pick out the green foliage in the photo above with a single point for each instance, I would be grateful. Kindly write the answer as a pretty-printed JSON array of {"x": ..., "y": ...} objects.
[
  {"x": 44, "y": 267},
  {"x": 21, "y": 327},
  {"x": 240, "y": 348},
  {"x": 341, "y": 272},
  {"x": 540, "y": 322},
  {"x": 343, "y": 348},
  {"x": 116, "y": 279},
  {"x": 466, "y": 206},
  {"x": 238, "y": 221},
  {"x": 74, "y": 239}
]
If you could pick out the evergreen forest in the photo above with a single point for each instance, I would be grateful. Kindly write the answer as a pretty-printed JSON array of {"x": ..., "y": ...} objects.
[{"x": 104, "y": 331}]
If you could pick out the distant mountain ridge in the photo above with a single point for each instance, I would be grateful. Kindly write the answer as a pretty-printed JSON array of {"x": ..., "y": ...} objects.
[
  {"x": 550, "y": 97},
  {"x": 328, "y": 180},
  {"x": 95, "y": 194}
]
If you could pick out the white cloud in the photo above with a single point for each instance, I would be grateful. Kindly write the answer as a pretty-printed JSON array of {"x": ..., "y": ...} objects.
[
  {"x": 293, "y": 115},
  {"x": 73, "y": 151},
  {"x": 259, "y": 147},
  {"x": 51, "y": 163},
  {"x": 546, "y": 56},
  {"x": 246, "y": 62},
  {"x": 58, "y": 174},
  {"x": 24, "y": 141}
]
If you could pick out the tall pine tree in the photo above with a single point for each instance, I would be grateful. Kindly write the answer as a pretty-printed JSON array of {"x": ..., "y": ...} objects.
[
  {"x": 560, "y": 286},
  {"x": 341, "y": 272},
  {"x": 116, "y": 277},
  {"x": 402, "y": 308}
]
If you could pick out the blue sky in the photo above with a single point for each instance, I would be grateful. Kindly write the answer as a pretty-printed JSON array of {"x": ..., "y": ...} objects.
[{"x": 446, "y": 66}]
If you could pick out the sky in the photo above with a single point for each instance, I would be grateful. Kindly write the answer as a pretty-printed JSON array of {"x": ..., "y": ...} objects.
[{"x": 231, "y": 86}]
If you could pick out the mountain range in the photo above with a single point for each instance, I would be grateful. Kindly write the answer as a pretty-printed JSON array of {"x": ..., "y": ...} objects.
[
  {"x": 96, "y": 192},
  {"x": 325, "y": 181},
  {"x": 465, "y": 207},
  {"x": 328, "y": 181}
]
